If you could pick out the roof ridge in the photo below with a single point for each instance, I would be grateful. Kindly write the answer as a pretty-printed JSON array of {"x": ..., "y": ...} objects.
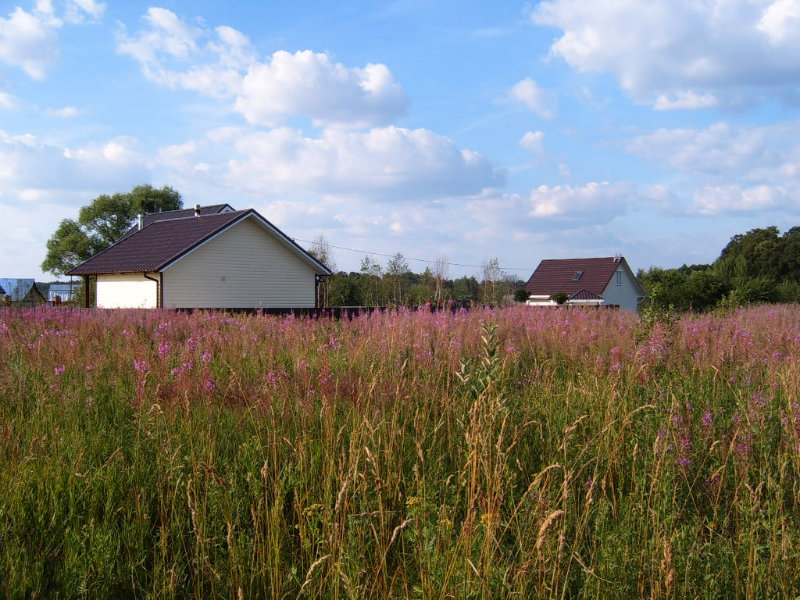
[
  {"x": 163, "y": 212},
  {"x": 230, "y": 212}
]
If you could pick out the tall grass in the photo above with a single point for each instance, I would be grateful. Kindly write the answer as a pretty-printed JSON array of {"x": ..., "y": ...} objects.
[{"x": 485, "y": 454}]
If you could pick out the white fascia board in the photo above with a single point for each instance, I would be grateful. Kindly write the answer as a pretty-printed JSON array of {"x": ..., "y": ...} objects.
[{"x": 274, "y": 231}]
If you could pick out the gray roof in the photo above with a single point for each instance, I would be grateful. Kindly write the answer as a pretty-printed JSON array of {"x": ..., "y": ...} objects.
[
  {"x": 63, "y": 287},
  {"x": 19, "y": 289},
  {"x": 155, "y": 247}
]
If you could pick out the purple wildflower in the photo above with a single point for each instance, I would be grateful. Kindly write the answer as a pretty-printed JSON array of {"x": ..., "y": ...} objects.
[{"x": 708, "y": 420}]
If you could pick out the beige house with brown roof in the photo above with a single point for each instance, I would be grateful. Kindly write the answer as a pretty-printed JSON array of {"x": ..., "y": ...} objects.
[
  {"x": 227, "y": 259},
  {"x": 585, "y": 282}
]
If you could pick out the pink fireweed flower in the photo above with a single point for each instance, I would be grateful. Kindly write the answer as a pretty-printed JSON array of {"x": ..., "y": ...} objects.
[
  {"x": 207, "y": 358},
  {"x": 60, "y": 370},
  {"x": 140, "y": 365},
  {"x": 209, "y": 386},
  {"x": 163, "y": 350}
]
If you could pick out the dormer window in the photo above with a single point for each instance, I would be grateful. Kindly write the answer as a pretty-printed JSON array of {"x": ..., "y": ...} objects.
[{"x": 577, "y": 275}]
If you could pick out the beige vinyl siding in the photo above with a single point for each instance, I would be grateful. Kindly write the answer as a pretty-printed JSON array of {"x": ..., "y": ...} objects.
[
  {"x": 243, "y": 267},
  {"x": 131, "y": 290}
]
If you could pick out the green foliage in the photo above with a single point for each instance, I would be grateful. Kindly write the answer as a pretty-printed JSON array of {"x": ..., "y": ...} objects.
[
  {"x": 521, "y": 295},
  {"x": 466, "y": 289},
  {"x": 754, "y": 267},
  {"x": 102, "y": 223},
  {"x": 560, "y": 297},
  {"x": 68, "y": 247}
]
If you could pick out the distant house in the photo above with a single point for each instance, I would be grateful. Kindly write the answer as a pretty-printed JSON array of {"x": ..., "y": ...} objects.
[
  {"x": 585, "y": 282},
  {"x": 188, "y": 259},
  {"x": 63, "y": 291},
  {"x": 22, "y": 292}
]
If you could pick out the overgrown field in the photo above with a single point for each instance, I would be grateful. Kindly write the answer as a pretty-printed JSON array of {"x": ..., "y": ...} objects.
[{"x": 526, "y": 453}]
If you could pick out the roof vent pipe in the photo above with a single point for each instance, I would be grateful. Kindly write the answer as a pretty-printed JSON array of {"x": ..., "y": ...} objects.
[
  {"x": 196, "y": 210},
  {"x": 139, "y": 222}
]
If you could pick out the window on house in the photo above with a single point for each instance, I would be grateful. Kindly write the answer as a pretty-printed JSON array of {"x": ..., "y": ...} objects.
[
  {"x": 619, "y": 277},
  {"x": 577, "y": 275}
]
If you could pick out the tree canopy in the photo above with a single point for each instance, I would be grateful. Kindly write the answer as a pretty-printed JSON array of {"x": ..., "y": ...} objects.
[
  {"x": 102, "y": 223},
  {"x": 758, "y": 266}
]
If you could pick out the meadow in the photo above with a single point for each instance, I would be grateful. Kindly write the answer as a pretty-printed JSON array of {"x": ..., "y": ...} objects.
[{"x": 492, "y": 453}]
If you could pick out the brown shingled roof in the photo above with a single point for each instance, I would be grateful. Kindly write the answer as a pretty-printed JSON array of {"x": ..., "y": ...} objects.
[
  {"x": 181, "y": 213},
  {"x": 561, "y": 275},
  {"x": 156, "y": 245},
  {"x": 584, "y": 295}
]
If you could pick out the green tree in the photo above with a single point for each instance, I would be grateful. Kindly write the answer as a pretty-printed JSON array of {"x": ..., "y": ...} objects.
[
  {"x": 521, "y": 295},
  {"x": 370, "y": 282},
  {"x": 102, "y": 223},
  {"x": 395, "y": 278},
  {"x": 346, "y": 289},
  {"x": 322, "y": 251},
  {"x": 466, "y": 289},
  {"x": 493, "y": 287}
]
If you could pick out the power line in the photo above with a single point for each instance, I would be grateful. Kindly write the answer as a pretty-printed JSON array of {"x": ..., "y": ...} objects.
[{"x": 423, "y": 260}]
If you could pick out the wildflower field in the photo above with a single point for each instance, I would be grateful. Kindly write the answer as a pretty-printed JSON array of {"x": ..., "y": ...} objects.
[{"x": 484, "y": 454}]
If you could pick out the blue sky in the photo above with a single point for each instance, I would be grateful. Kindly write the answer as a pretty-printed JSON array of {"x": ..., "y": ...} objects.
[{"x": 471, "y": 130}]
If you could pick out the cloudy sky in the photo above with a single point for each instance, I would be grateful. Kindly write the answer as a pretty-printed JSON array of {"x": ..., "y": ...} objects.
[{"x": 472, "y": 130}]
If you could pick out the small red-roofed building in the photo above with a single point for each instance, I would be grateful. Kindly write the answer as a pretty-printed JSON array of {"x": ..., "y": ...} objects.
[
  {"x": 196, "y": 258},
  {"x": 585, "y": 282}
]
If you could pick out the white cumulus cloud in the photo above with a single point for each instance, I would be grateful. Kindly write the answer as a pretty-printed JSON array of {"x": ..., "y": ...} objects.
[
  {"x": 533, "y": 141},
  {"x": 29, "y": 42},
  {"x": 723, "y": 152},
  {"x": 541, "y": 101},
  {"x": 680, "y": 53},
  {"x": 28, "y": 163},
  {"x": 685, "y": 100},
  {"x": 222, "y": 64},
  {"x": 310, "y": 84},
  {"x": 716, "y": 200},
  {"x": 780, "y": 20},
  {"x": 593, "y": 202},
  {"x": 389, "y": 164}
]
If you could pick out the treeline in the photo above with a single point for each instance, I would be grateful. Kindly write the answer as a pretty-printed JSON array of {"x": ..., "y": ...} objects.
[
  {"x": 755, "y": 267},
  {"x": 394, "y": 284}
]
